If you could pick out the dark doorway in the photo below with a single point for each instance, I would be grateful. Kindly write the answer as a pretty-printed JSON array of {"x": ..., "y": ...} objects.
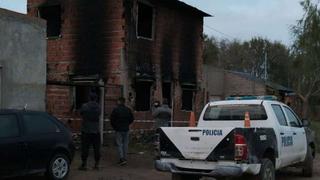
[
  {"x": 187, "y": 99},
  {"x": 82, "y": 95},
  {"x": 142, "y": 96},
  {"x": 166, "y": 92}
]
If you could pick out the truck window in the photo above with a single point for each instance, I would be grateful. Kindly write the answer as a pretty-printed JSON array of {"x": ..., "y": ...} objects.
[
  {"x": 292, "y": 118},
  {"x": 280, "y": 115},
  {"x": 234, "y": 112}
]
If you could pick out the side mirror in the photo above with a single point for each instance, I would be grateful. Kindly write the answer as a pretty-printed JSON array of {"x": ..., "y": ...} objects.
[{"x": 305, "y": 123}]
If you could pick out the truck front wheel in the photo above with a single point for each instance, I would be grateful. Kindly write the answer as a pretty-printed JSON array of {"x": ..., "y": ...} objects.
[
  {"x": 267, "y": 171},
  {"x": 184, "y": 177}
]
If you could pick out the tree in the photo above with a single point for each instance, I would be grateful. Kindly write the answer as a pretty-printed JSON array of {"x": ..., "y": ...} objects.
[
  {"x": 306, "y": 66},
  {"x": 211, "y": 51}
]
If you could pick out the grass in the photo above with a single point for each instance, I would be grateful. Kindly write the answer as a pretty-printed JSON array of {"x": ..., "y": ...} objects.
[{"x": 315, "y": 125}]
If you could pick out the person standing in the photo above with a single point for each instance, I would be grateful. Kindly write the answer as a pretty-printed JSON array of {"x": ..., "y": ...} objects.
[
  {"x": 90, "y": 131},
  {"x": 121, "y": 118},
  {"x": 162, "y": 115}
]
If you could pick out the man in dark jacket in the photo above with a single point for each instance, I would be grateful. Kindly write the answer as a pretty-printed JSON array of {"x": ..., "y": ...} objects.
[
  {"x": 90, "y": 131},
  {"x": 121, "y": 118}
]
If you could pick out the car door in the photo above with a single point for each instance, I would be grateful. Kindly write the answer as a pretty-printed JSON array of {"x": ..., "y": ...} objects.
[
  {"x": 41, "y": 134},
  {"x": 298, "y": 135},
  {"x": 12, "y": 147},
  {"x": 286, "y": 155}
]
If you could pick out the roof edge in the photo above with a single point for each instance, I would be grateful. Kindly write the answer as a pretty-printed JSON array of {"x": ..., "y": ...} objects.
[
  {"x": 202, "y": 13},
  {"x": 20, "y": 16}
]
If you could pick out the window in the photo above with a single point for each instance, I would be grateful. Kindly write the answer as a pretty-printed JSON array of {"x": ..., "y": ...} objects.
[
  {"x": 38, "y": 124},
  {"x": 235, "y": 112},
  {"x": 145, "y": 21},
  {"x": 280, "y": 115},
  {"x": 292, "y": 118},
  {"x": 9, "y": 126},
  {"x": 52, "y": 14},
  {"x": 143, "y": 96},
  {"x": 166, "y": 92},
  {"x": 187, "y": 100}
]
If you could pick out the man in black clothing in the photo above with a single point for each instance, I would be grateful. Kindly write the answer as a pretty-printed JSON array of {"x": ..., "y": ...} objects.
[
  {"x": 90, "y": 131},
  {"x": 121, "y": 118}
]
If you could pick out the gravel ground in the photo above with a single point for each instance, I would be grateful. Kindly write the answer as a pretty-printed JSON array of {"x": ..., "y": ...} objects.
[{"x": 140, "y": 167}]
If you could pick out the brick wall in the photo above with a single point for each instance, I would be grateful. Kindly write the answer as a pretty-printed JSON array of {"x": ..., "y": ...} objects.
[
  {"x": 238, "y": 85},
  {"x": 177, "y": 41},
  {"x": 80, "y": 46}
]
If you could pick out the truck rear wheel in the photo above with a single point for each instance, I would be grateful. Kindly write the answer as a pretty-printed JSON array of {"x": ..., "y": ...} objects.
[
  {"x": 184, "y": 177},
  {"x": 307, "y": 169},
  {"x": 267, "y": 171}
]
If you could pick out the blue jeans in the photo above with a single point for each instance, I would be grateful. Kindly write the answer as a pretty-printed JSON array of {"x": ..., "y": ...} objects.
[{"x": 122, "y": 140}]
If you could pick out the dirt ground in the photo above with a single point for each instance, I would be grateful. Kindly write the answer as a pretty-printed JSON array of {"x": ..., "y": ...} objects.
[{"x": 140, "y": 167}]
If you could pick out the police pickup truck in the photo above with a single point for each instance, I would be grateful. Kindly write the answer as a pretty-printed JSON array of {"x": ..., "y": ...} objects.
[{"x": 251, "y": 135}]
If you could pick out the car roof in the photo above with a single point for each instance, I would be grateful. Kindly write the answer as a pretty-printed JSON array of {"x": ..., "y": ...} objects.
[
  {"x": 254, "y": 101},
  {"x": 18, "y": 111}
]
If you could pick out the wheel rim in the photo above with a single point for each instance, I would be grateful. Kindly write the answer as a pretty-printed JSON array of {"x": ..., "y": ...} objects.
[
  {"x": 60, "y": 168},
  {"x": 268, "y": 174}
]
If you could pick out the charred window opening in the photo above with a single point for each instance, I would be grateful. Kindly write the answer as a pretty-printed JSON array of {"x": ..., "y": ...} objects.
[
  {"x": 81, "y": 95},
  {"x": 142, "y": 96},
  {"x": 166, "y": 92},
  {"x": 52, "y": 14},
  {"x": 187, "y": 100},
  {"x": 145, "y": 21},
  {"x": 188, "y": 91}
]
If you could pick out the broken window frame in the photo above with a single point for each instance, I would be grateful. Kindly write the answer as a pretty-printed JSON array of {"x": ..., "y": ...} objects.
[
  {"x": 152, "y": 23},
  {"x": 58, "y": 35}
]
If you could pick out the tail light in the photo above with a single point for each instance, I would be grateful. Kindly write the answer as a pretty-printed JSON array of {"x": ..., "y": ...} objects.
[{"x": 241, "y": 148}]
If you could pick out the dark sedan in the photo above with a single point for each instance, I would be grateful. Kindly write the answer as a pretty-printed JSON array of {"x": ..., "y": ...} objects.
[{"x": 34, "y": 142}]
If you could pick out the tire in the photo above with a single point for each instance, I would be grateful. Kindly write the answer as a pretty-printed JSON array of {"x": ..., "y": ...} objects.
[
  {"x": 58, "y": 168},
  {"x": 184, "y": 177},
  {"x": 267, "y": 171},
  {"x": 307, "y": 169}
]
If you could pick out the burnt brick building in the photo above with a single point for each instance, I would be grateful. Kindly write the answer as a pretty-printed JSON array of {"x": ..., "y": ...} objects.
[{"x": 144, "y": 50}]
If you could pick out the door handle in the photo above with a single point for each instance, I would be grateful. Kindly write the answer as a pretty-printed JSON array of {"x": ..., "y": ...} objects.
[
  {"x": 23, "y": 145},
  {"x": 281, "y": 133},
  {"x": 195, "y": 138},
  {"x": 294, "y": 133}
]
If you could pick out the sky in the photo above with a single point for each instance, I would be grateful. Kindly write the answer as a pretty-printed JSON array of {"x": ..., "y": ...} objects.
[
  {"x": 234, "y": 19},
  {"x": 244, "y": 19},
  {"x": 15, "y": 5}
]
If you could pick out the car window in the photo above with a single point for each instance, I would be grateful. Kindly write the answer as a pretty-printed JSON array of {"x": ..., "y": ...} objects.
[
  {"x": 235, "y": 112},
  {"x": 280, "y": 115},
  {"x": 38, "y": 124},
  {"x": 9, "y": 126},
  {"x": 293, "y": 120}
]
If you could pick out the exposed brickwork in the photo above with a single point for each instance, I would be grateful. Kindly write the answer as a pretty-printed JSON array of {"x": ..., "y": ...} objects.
[
  {"x": 104, "y": 41},
  {"x": 237, "y": 85}
]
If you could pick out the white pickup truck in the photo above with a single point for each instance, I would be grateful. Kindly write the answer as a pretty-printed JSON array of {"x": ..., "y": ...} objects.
[{"x": 221, "y": 146}]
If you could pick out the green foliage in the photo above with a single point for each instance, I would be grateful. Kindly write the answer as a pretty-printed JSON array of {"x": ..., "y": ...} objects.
[
  {"x": 306, "y": 66},
  {"x": 249, "y": 57}
]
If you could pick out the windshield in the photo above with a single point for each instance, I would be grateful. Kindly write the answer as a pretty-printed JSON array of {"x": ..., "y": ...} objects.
[{"x": 235, "y": 112}]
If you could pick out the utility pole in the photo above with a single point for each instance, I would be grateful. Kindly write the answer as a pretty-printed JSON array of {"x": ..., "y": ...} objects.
[{"x": 265, "y": 66}]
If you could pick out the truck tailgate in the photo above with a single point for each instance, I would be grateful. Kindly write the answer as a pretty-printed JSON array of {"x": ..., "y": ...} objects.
[{"x": 193, "y": 143}]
